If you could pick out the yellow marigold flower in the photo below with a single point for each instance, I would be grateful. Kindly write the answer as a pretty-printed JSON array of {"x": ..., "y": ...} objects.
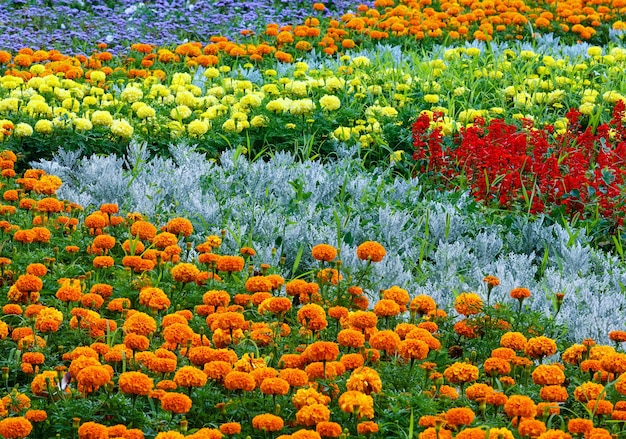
[
  {"x": 23, "y": 130},
  {"x": 43, "y": 126},
  {"x": 330, "y": 102},
  {"x": 101, "y": 118},
  {"x": 122, "y": 128}
]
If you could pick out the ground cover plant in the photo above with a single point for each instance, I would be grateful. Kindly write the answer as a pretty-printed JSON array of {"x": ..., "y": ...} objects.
[{"x": 388, "y": 219}]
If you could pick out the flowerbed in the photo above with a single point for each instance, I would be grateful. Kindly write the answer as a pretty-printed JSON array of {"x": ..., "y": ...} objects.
[
  {"x": 176, "y": 266},
  {"x": 567, "y": 172},
  {"x": 117, "y": 327}
]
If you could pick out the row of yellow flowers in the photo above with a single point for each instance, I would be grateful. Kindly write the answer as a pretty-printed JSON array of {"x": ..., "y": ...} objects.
[
  {"x": 308, "y": 357},
  {"x": 353, "y": 102}
]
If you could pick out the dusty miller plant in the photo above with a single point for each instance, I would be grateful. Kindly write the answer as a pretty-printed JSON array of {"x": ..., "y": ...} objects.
[{"x": 438, "y": 243}]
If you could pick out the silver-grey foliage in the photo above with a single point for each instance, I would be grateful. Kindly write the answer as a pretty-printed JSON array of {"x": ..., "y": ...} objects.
[{"x": 437, "y": 244}]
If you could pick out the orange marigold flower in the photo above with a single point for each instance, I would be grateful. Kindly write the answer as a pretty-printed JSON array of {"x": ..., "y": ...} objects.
[
  {"x": 366, "y": 380},
  {"x": 520, "y": 293},
  {"x": 328, "y": 429},
  {"x": 176, "y": 402},
  {"x": 268, "y": 422},
  {"x": 308, "y": 396},
  {"x": 189, "y": 376},
  {"x": 386, "y": 340},
  {"x": 185, "y": 272},
  {"x": 554, "y": 434},
  {"x": 614, "y": 363},
  {"x": 51, "y": 205},
  {"x": 513, "y": 340},
  {"x": 136, "y": 342},
  {"x": 216, "y": 298},
  {"x": 10, "y": 308},
  {"x": 93, "y": 430},
  {"x": 154, "y": 298},
  {"x": 230, "y": 428},
  {"x": 256, "y": 284},
  {"x": 324, "y": 252},
  {"x": 179, "y": 226},
  {"x": 91, "y": 378},
  {"x": 353, "y": 401},
  {"x": 274, "y": 386},
  {"x": 313, "y": 317},
  {"x": 398, "y": 295},
  {"x": 33, "y": 357},
  {"x": 230, "y": 264},
  {"x": 236, "y": 380},
  {"x": 95, "y": 220},
  {"x": 294, "y": 377},
  {"x": 589, "y": 391},
  {"x": 164, "y": 240},
  {"x": 371, "y": 251},
  {"x": 178, "y": 333},
  {"x": 459, "y": 416},
  {"x": 37, "y": 269},
  {"x": 496, "y": 366},
  {"x": 36, "y": 415},
  {"x": 617, "y": 336},
  {"x": 329, "y": 275},
  {"x": 531, "y": 428},
  {"x": 135, "y": 383},
  {"x": 468, "y": 304},
  {"x": 386, "y": 308},
  {"x": 139, "y": 323},
  {"x": 541, "y": 346},
  {"x": 322, "y": 351},
  {"x": 460, "y": 373},
  {"x": 144, "y": 230},
  {"x": 28, "y": 283},
  {"x": 422, "y": 304},
  {"x": 313, "y": 414},
  {"x": 548, "y": 375},
  {"x": 103, "y": 262},
  {"x": 579, "y": 426},
  {"x": 600, "y": 407},
  {"x": 217, "y": 370},
  {"x": 478, "y": 391},
  {"x": 15, "y": 427},
  {"x": 247, "y": 251},
  {"x": 105, "y": 242},
  {"x": 553, "y": 393},
  {"x": 520, "y": 405}
]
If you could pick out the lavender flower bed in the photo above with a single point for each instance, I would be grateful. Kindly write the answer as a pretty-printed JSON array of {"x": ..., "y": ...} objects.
[{"x": 77, "y": 26}]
